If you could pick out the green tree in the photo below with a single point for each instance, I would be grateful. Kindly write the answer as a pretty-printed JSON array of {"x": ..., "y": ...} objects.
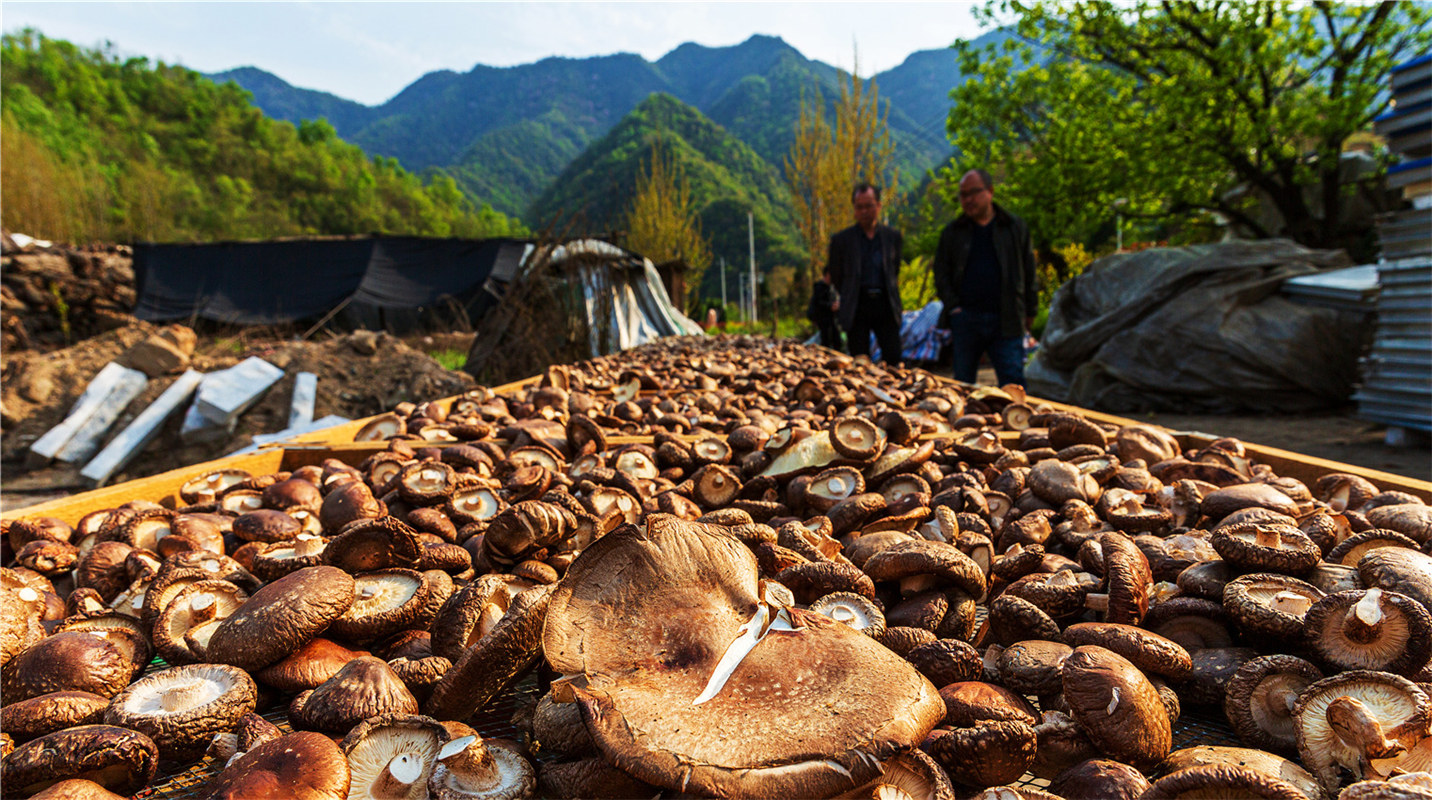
[
  {"x": 1186, "y": 111},
  {"x": 662, "y": 223}
]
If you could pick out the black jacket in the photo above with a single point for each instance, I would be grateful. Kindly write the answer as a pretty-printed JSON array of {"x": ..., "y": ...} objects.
[
  {"x": 1019, "y": 289},
  {"x": 844, "y": 263},
  {"x": 822, "y": 297}
]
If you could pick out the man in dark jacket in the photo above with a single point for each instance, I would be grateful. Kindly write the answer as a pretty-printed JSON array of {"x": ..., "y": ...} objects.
[
  {"x": 823, "y": 300},
  {"x": 984, "y": 275},
  {"x": 864, "y": 265}
]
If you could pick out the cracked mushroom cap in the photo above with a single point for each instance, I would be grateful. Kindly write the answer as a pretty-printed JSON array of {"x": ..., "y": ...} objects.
[
  {"x": 365, "y": 687},
  {"x": 1413, "y": 520},
  {"x": 989, "y": 754},
  {"x": 366, "y": 545},
  {"x": 1268, "y": 604},
  {"x": 1224, "y": 781},
  {"x": 1034, "y": 666},
  {"x": 1269, "y": 764},
  {"x": 1014, "y": 619},
  {"x": 384, "y": 602},
  {"x": 812, "y": 581},
  {"x": 1118, "y": 707},
  {"x": 295, "y": 766},
  {"x": 809, "y": 710},
  {"x": 118, "y": 759},
  {"x": 30, "y": 719},
  {"x": 1412, "y": 786},
  {"x": 282, "y": 617},
  {"x": 1260, "y": 698},
  {"x": 1353, "y": 721},
  {"x": 947, "y": 661},
  {"x": 1370, "y": 629},
  {"x": 920, "y": 564},
  {"x": 277, "y": 559},
  {"x": 391, "y": 756},
  {"x": 1266, "y": 547},
  {"x": 1147, "y": 650},
  {"x": 472, "y": 767},
  {"x": 183, "y": 707},
  {"x": 102, "y": 663}
]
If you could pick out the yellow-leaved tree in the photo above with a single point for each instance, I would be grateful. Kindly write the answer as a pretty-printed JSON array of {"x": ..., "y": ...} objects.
[
  {"x": 662, "y": 223},
  {"x": 827, "y": 161}
]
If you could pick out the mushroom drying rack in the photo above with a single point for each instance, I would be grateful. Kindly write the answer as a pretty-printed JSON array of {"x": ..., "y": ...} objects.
[{"x": 1195, "y": 727}]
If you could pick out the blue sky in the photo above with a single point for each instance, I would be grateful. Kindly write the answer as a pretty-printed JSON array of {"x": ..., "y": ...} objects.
[{"x": 370, "y": 51}]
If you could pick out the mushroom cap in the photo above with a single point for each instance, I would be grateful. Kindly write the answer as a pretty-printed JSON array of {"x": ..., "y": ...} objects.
[
  {"x": 1399, "y": 569},
  {"x": 1225, "y": 780},
  {"x": 1213, "y": 668},
  {"x": 1350, "y": 550},
  {"x": 118, "y": 759},
  {"x": 30, "y": 719},
  {"x": 1259, "y": 760},
  {"x": 196, "y": 603},
  {"x": 365, "y": 687},
  {"x": 591, "y": 778},
  {"x": 989, "y": 754},
  {"x": 1099, "y": 779},
  {"x": 472, "y": 612},
  {"x": 282, "y": 617},
  {"x": 76, "y": 660},
  {"x": 1147, "y": 650},
  {"x": 181, "y": 708},
  {"x": 1118, "y": 707},
  {"x": 811, "y": 581},
  {"x": 1270, "y": 604},
  {"x": 506, "y": 774},
  {"x": 943, "y": 563},
  {"x": 308, "y": 666},
  {"x": 1034, "y": 666},
  {"x": 912, "y": 774},
  {"x": 1370, "y": 629},
  {"x": 1221, "y": 502},
  {"x": 806, "y": 712},
  {"x": 295, "y": 766},
  {"x": 1266, "y": 547},
  {"x": 76, "y": 789},
  {"x": 855, "y": 610},
  {"x": 1391, "y": 700},
  {"x": 364, "y": 545},
  {"x": 1260, "y": 697},
  {"x": 483, "y": 670},
  {"x": 385, "y": 601},
  {"x": 969, "y": 703},
  {"x": 946, "y": 661},
  {"x": 1413, "y": 520},
  {"x": 558, "y": 730},
  {"x": 373, "y": 746}
]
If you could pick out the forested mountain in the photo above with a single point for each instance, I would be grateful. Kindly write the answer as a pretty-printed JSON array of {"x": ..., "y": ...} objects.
[
  {"x": 96, "y": 147},
  {"x": 506, "y": 132},
  {"x": 726, "y": 177}
]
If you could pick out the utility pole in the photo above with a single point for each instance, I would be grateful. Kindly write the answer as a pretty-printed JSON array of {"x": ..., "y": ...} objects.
[
  {"x": 723, "y": 285},
  {"x": 751, "y": 235}
]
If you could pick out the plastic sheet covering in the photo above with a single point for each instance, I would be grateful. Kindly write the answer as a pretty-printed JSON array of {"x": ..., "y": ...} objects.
[
  {"x": 1198, "y": 329},
  {"x": 626, "y": 303}
]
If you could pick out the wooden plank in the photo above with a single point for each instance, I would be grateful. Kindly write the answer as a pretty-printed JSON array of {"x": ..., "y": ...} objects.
[
  {"x": 139, "y": 433},
  {"x": 49, "y": 445},
  {"x": 305, "y": 393},
  {"x": 87, "y": 437},
  {"x": 227, "y": 394}
]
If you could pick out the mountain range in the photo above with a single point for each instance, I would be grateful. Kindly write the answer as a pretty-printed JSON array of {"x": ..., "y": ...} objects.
[{"x": 507, "y": 133}]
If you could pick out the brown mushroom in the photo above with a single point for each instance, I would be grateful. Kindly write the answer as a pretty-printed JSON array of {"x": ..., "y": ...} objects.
[
  {"x": 1146, "y": 650},
  {"x": 1116, "y": 704},
  {"x": 1260, "y": 699},
  {"x": 1371, "y": 629},
  {"x": 30, "y": 719},
  {"x": 1267, "y": 604},
  {"x": 473, "y": 767},
  {"x": 989, "y": 754},
  {"x": 281, "y": 617},
  {"x": 365, "y": 687},
  {"x": 296, "y": 766},
  {"x": 1356, "y": 720},
  {"x": 308, "y": 666},
  {"x": 181, "y": 708},
  {"x": 392, "y": 755},
  {"x": 118, "y": 759},
  {"x": 496, "y": 660},
  {"x": 1099, "y": 779}
]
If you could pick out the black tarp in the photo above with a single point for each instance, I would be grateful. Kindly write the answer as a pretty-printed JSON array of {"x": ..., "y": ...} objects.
[{"x": 395, "y": 283}]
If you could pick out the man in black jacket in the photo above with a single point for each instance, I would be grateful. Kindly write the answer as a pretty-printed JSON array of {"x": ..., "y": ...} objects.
[
  {"x": 864, "y": 265},
  {"x": 984, "y": 275}
]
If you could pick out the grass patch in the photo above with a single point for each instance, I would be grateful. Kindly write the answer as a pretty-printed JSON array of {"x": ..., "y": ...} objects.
[{"x": 449, "y": 358}]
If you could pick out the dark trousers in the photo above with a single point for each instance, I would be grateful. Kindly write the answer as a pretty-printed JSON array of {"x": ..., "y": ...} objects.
[
  {"x": 830, "y": 334},
  {"x": 974, "y": 333},
  {"x": 872, "y": 314}
]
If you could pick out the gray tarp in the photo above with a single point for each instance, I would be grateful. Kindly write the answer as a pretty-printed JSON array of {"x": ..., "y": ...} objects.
[{"x": 1200, "y": 328}]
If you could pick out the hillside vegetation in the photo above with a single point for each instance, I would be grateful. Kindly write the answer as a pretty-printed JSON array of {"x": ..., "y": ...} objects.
[
  {"x": 726, "y": 177},
  {"x": 96, "y": 147}
]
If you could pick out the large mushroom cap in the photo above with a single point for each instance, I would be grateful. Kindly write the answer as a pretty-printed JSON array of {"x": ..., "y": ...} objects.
[
  {"x": 182, "y": 708},
  {"x": 1117, "y": 705},
  {"x": 1258, "y": 760},
  {"x": 296, "y": 766},
  {"x": 116, "y": 758},
  {"x": 1354, "y": 720},
  {"x": 281, "y": 617},
  {"x": 392, "y": 756},
  {"x": 642, "y": 619},
  {"x": 365, "y": 687}
]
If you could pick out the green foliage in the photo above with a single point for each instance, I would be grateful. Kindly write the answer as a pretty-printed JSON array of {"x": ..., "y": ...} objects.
[
  {"x": 917, "y": 283},
  {"x": 449, "y": 358},
  {"x": 1182, "y": 110},
  {"x": 161, "y": 153},
  {"x": 62, "y": 310},
  {"x": 727, "y": 180}
]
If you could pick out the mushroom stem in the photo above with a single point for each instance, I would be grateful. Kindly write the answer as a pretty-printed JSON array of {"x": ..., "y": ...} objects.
[
  {"x": 471, "y": 764},
  {"x": 202, "y": 608},
  {"x": 1357, "y": 727},
  {"x": 398, "y": 777},
  {"x": 1096, "y": 602},
  {"x": 1363, "y": 623},
  {"x": 307, "y": 545},
  {"x": 916, "y": 584},
  {"x": 1267, "y": 537},
  {"x": 182, "y": 696}
]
